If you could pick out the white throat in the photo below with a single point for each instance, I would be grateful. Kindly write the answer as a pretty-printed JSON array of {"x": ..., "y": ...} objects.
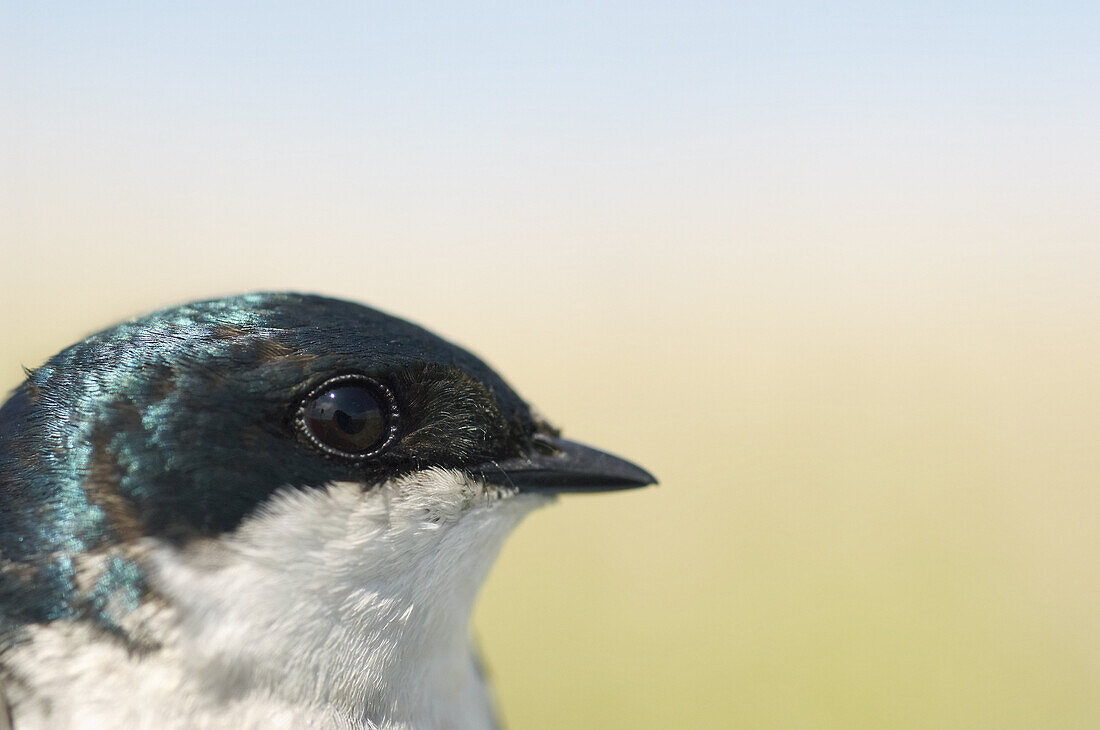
[
  {"x": 359, "y": 600},
  {"x": 336, "y": 607}
]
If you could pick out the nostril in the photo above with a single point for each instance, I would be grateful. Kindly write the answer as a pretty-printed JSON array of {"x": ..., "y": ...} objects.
[{"x": 545, "y": 445}]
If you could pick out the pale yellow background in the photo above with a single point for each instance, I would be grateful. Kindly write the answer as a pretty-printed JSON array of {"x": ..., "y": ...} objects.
[{"x": 833, "y": 275}]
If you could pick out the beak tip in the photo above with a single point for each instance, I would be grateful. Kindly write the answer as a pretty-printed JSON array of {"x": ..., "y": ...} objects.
[{"x": 643, "y": 478}]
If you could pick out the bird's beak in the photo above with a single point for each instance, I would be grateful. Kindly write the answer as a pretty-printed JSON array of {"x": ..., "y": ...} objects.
[{"x": 556, "y": 465}]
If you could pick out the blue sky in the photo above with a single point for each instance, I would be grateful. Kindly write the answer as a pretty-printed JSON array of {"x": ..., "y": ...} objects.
[
  {"x": 655, "y": 67},
  {"x": 741, "y": 146}
]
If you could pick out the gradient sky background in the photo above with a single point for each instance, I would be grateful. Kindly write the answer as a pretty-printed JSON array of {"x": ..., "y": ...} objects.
[{"x": 831, "y": 271}]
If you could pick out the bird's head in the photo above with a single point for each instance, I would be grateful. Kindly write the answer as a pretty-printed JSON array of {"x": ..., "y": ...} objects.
[{"x": 302, "y": 433}]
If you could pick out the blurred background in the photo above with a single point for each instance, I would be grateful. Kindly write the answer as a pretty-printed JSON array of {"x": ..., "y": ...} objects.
[{"x": 831, "y": 271}]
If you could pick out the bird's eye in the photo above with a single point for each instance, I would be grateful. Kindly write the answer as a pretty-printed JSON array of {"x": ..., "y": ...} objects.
[{"x": 350, "y": 416}]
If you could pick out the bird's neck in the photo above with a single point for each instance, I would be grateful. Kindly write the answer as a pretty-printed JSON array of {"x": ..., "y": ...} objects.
[{"x": 351, "y": 600}]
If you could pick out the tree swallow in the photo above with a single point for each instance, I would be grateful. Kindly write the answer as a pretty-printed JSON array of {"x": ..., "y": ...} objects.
[{"x": 265, "y": 511}]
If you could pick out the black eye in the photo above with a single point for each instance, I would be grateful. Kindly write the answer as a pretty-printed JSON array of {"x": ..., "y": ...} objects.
[{"x": 350, "y": 416}]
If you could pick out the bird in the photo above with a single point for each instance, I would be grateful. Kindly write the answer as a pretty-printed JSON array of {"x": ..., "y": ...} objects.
[{"x": 268, "y": 510}]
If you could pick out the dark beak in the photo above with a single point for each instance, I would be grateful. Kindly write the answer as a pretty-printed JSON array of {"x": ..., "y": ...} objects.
[{"x": 556, "y": 465}]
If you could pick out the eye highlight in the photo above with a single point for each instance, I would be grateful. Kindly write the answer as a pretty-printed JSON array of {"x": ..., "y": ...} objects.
[{"x": 349, "y": 416}]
